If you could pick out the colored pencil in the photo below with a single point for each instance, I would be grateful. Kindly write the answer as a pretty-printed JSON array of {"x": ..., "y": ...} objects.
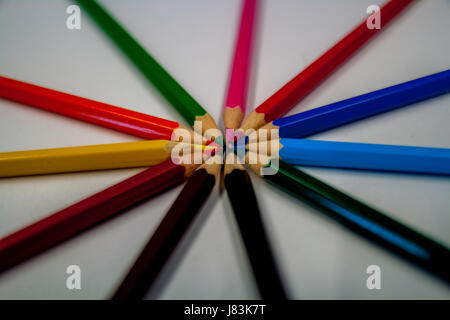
[
  {"x": 352, "y": 155},
  {"x": 105, "y": 115},
  {"x": 46, "y": 233},
  {"x": 175, "y": 94},
  {"x": 302, "y": 84},
  {"x": 169, "y": 233},
  {"x": 342, "y": 112},
  {"x": 94, "y": 157},
  {"x": 357, "y": 216},
  {"x": 246, "y": 212},
  {"x": 236, "y": 100}
]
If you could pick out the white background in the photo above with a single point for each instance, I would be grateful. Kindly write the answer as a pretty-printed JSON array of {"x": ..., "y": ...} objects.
[{"x": 194, "y": 40}]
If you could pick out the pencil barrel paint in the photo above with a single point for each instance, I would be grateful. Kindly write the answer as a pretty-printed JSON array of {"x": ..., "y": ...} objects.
[
  {"x": 84, "y": 158},
  {"x": 175, "y": 94},
  {"x": 366, "y": 156},
  {"x": 245, "y": 207},
  {"x": 346, "y": 111},
  {"x": 240, "y": 70},
  {"x": 166, "y": 237},
  {"x": 106, "y": 115},
  {"x": 365, "y": 220},
  {"x": 48, "y": 232},
  {"x": 315, "y": 73},
  {"x": 308, "y": 79}
]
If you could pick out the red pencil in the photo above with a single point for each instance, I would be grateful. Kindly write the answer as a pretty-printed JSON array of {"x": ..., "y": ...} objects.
[
  {"x": 106, "y": 115},
  {"x": 48, "y": 232},
  {"x": 302, "y": 84}
]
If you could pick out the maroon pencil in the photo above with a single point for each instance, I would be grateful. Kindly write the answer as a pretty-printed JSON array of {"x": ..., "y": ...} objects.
[{"x": 48, "y": 232}]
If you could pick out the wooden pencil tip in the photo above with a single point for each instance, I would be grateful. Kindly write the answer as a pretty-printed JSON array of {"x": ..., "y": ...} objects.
[
  {"x": 213, "y": 165},
  {"x": 268, "y": 132},
  {"x": 196, "y": 137},
  {"x": 190, "y": 169},
  {"x": 266, "y": 147},
  {"x": 207, "y": 124},
  {"x": 232, "y": 117},
  {"x": 256, "y": 162},
  {"x": 253, "y": 121},
  {"x": 232, "y": 162}
]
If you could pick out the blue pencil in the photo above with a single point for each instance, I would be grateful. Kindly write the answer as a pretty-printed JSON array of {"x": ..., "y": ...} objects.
[
  {"x": 366, "y": 156},
  {"x": 339, "y": 113}
]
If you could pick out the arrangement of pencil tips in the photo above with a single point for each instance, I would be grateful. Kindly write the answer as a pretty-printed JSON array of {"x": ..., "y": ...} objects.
[{"x": 268, "y": 144}]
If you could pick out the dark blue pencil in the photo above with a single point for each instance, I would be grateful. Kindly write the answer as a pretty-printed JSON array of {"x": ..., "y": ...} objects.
[{"x": 339, "y": 113}]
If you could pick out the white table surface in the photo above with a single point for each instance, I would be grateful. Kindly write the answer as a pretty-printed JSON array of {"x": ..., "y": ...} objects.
[{"x": 194, "y": 40}]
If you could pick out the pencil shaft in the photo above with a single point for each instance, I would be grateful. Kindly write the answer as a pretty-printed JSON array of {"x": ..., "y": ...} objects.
[
  {"x": 180, "y": 99},
  {"x": 247, "y": 214},
  {"x": 84, "y": 158},
  {"x": 106, "y": 115},
  {"x": 365, "y": 156},
  {"x": 365, "y": 220},
  {"x": 48, "y": 232},
  {"x": 238, "y": 84},
  {"x": 166, "y": 237},
  {"x": 308, "y": 79},
  {"x": 339, "y": 113}
]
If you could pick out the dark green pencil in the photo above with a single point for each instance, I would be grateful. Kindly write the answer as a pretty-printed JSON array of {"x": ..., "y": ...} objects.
[
  {"x": 183, "y": 102},
  {"x": 357, "y": 216}
]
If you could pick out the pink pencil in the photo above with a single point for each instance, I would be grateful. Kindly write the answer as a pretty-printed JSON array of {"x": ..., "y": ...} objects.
[{"x": 234, "y": 109}]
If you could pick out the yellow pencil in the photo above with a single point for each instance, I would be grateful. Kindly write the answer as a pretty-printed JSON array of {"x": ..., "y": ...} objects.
[{"x": 94, "y": 157}]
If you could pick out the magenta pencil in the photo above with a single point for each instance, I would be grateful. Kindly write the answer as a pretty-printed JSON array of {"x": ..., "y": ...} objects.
[{"x": 236, "y": 99}]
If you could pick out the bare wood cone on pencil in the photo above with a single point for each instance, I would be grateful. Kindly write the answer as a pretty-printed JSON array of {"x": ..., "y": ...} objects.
[
  {"x": 207, "y": 121},
  {"x": 232, "y": 117}
]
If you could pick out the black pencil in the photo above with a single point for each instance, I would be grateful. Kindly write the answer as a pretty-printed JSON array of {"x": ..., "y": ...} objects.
[
  {"x": 246, "y": 211},
  {"x": 170, "y": 231}
]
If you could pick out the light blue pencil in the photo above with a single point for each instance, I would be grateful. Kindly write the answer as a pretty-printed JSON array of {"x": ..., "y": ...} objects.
[{"x": 318, "y": 153}]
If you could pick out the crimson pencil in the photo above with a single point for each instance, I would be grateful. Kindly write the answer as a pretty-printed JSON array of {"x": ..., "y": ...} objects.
[
  {"x": 106, "y": 115},
  {"x": 236, "y": 100},
  {"x": 302, "y": 84},
  {"x": 46, "y": 233}
]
